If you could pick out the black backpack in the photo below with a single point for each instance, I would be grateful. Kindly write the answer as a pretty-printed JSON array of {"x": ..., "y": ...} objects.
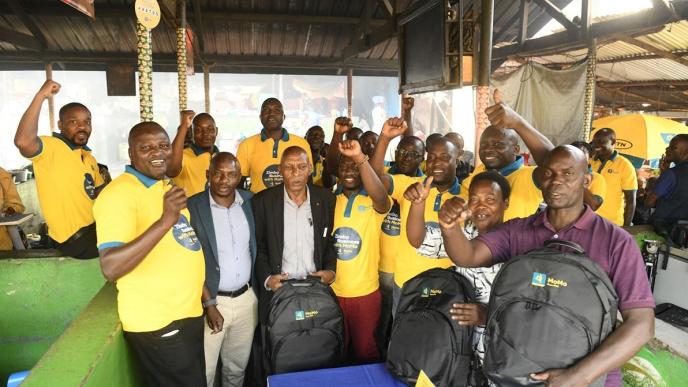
[
  {"x": 548, "y": 309},
  {"x": 305, "y": 327},
  {"x": 424, "y": 337}
]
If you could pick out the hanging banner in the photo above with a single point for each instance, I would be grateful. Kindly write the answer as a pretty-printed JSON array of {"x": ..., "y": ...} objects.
[
  {"x": 189, "y": 52},
  {"x": 148, "y": 13},
  {"x": 84, "y": 6}
]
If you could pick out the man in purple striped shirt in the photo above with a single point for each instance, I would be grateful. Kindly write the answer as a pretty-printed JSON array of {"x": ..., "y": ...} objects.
[{"x": 562, "y": 179}]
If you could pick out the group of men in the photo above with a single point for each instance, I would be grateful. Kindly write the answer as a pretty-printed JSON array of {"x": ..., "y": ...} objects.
[{"x": 197, "y": 258}]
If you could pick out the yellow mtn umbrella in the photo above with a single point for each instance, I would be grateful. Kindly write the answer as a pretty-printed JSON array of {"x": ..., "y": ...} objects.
[{"x": 640, "y": 137}]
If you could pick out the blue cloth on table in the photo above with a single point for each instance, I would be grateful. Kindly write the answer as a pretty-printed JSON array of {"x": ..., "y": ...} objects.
[{"x": 364, "y": 375}]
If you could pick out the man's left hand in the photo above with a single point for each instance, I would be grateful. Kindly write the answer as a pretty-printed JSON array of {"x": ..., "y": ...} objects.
[
  {"x": 214, "y": 319},
  {"x": 502, "y": 116},
  {"x": 560, "y": 378},
  {"x": 351, "y": 149},
  {"x": 326, "y": 276}
]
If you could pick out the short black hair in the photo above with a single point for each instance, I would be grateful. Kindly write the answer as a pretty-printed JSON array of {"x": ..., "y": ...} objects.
[
  {"x": 495, "y": 177},
  {"x": 681, "y": 137},
  {"x": 69, "y": 106},
  {"x": 312, "y": 128},
  {"x": 582, "y": 144}
]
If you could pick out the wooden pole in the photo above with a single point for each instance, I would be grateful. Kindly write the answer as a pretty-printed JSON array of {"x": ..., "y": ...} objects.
[
  {"x": 349, "y": 92},
  {"x": 206, "y": 87},
  {"x": 181, "y": 53},
  {"x": 51, "y": 101},
  {"x": 484, "y": 71},
  {"x": 145, "y": 63}
]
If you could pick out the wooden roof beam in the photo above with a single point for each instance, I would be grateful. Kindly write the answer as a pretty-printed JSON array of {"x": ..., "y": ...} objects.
[
  {"x": 655, "y": 50},
  {"x": 647, "y": 99},
  {"x": 198, "y": 21},
  {"x": 557, "y": 15},
  {"x": 19, "y": 39},
  {"x": 26, "y": 20},
  {"x": 127, "y": 11},
  {"x": 646, "y": 21}
]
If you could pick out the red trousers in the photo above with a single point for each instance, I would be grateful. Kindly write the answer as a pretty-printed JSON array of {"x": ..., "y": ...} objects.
[{"x": 361, "y": 317}]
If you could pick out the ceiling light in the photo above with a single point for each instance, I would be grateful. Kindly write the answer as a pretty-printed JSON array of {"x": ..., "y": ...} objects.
[{"x": 645, "y": 104}]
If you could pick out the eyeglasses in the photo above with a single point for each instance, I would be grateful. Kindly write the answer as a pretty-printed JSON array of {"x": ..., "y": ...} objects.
[{"x": 412, "y": 154}]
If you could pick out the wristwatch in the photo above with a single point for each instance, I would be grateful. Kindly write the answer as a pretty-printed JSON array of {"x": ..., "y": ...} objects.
[{"x": 210, "y": 302}]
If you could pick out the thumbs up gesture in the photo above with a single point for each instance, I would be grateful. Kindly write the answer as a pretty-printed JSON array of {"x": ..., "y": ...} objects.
[
  {"x": 502, "y": 116},
  {"x": 418, "y": 192}
]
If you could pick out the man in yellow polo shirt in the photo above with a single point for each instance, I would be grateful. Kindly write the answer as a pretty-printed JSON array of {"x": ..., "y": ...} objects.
[
  {"x": 362, "y": 204},
  {"x": 499, "y": 150},
  {"x": 148, "y": 247},
  {"x": 315, "y": 136},
  {"x": 441, "y": 166},
  {"x": 10, "y": 204},
  {"x": 260, "y": 154},
  {"x": 621, "y": 178},
  {"x": 594, "y": 194},
  {"x": 408, "y": 155},
  {"x": 67, "y": 175},
  {"x": 189, "y": 165}
]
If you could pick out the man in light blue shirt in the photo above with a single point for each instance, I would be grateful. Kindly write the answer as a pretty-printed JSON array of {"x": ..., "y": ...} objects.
[{"x": 223, "y": 220}]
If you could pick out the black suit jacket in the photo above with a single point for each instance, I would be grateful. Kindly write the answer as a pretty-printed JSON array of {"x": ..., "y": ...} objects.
[
  {"x": 268, "y": 210},
  {"x": 202, "y": 223}
]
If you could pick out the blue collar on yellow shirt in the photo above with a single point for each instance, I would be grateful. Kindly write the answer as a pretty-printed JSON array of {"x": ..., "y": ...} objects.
[
  {"x": 145, "y": 180},
  {"x": 197, "y": 150},
  {"x": 511, "y": 168},
  {"x": 612, "y": 157},
  {"x": 455, "y": 189},
  {"x": 350, "y": 199},
  {"x": 70, "y": 144},
  {"x": 264, "y": 137}
]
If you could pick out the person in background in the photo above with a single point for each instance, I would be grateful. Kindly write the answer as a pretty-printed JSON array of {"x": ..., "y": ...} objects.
[
  {"x": 463, "y": 168},
  {"x": 354, "y": 134},
  {"x": 568, "y": 218},
  {"x": 223, "y": 220},
  {"x": 618, "y": 172},
  {"x": 362, "y": 204},
  {"x": 104, "y": 172},
  {"x": 294, "y": 222},
  {"x": 595, "y": 193},
  {"x": 407, "y": 104},
  {"x": 669, "y": 195},
  {"x": 368, "y": 142},
  {"x": 379, "y": 114},
  {"x": 260, "y": 154},
  {"x": 488, "y": 198},
  {"x": 67, "y": 176},
  {"x": 189, "y": 166},
  {"x": 499, "y": 150},
  {"x": 149, "y": 249},
  {"x": 10, "y": 204},
  {"x": 315, "y": 136}
]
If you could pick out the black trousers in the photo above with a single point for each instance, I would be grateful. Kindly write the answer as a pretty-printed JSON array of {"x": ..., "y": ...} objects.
[
  {"x": 171, "y": 356},
  {"x": 81, "y": 245}
]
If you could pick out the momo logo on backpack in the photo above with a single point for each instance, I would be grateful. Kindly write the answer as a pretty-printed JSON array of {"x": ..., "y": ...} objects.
[
  {"x": 548, "y": 309},
  {"x": 305, "y": 327},
  {"x": 424, "y": 337}
]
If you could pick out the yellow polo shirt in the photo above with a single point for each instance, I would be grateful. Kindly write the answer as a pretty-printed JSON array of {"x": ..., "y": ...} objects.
[
  {"x": 260, "y": 156},
  {"x": 525, "y": 195},
  {"x": 195, "y": 163},
  {"x": 357, "y": 241},
  {"x": 620, "y": 176},
  {"x": 598, "y": 186},
  {"x": 391, "y": 229},
  {"x": 318, "y": 168},
  {"x": 166, "y": 286},
  {"x": 66, "y": 179},
  {"x": 411, "y": 261},
  {"x": 9, "y": 198}
]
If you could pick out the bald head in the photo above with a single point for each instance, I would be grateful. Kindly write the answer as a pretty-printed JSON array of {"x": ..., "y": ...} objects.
[
  {"x": 508, "y": 134},
  {"x": 568, "y": 151},
  {"x": 150, "y": 127}
]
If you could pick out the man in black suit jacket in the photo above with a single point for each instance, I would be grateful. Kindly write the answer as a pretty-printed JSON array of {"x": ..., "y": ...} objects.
[{"x": 287, "y": 251}]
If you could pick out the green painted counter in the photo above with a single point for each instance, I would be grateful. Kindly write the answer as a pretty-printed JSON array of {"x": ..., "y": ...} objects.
[{"x": 39, "y": 297}]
